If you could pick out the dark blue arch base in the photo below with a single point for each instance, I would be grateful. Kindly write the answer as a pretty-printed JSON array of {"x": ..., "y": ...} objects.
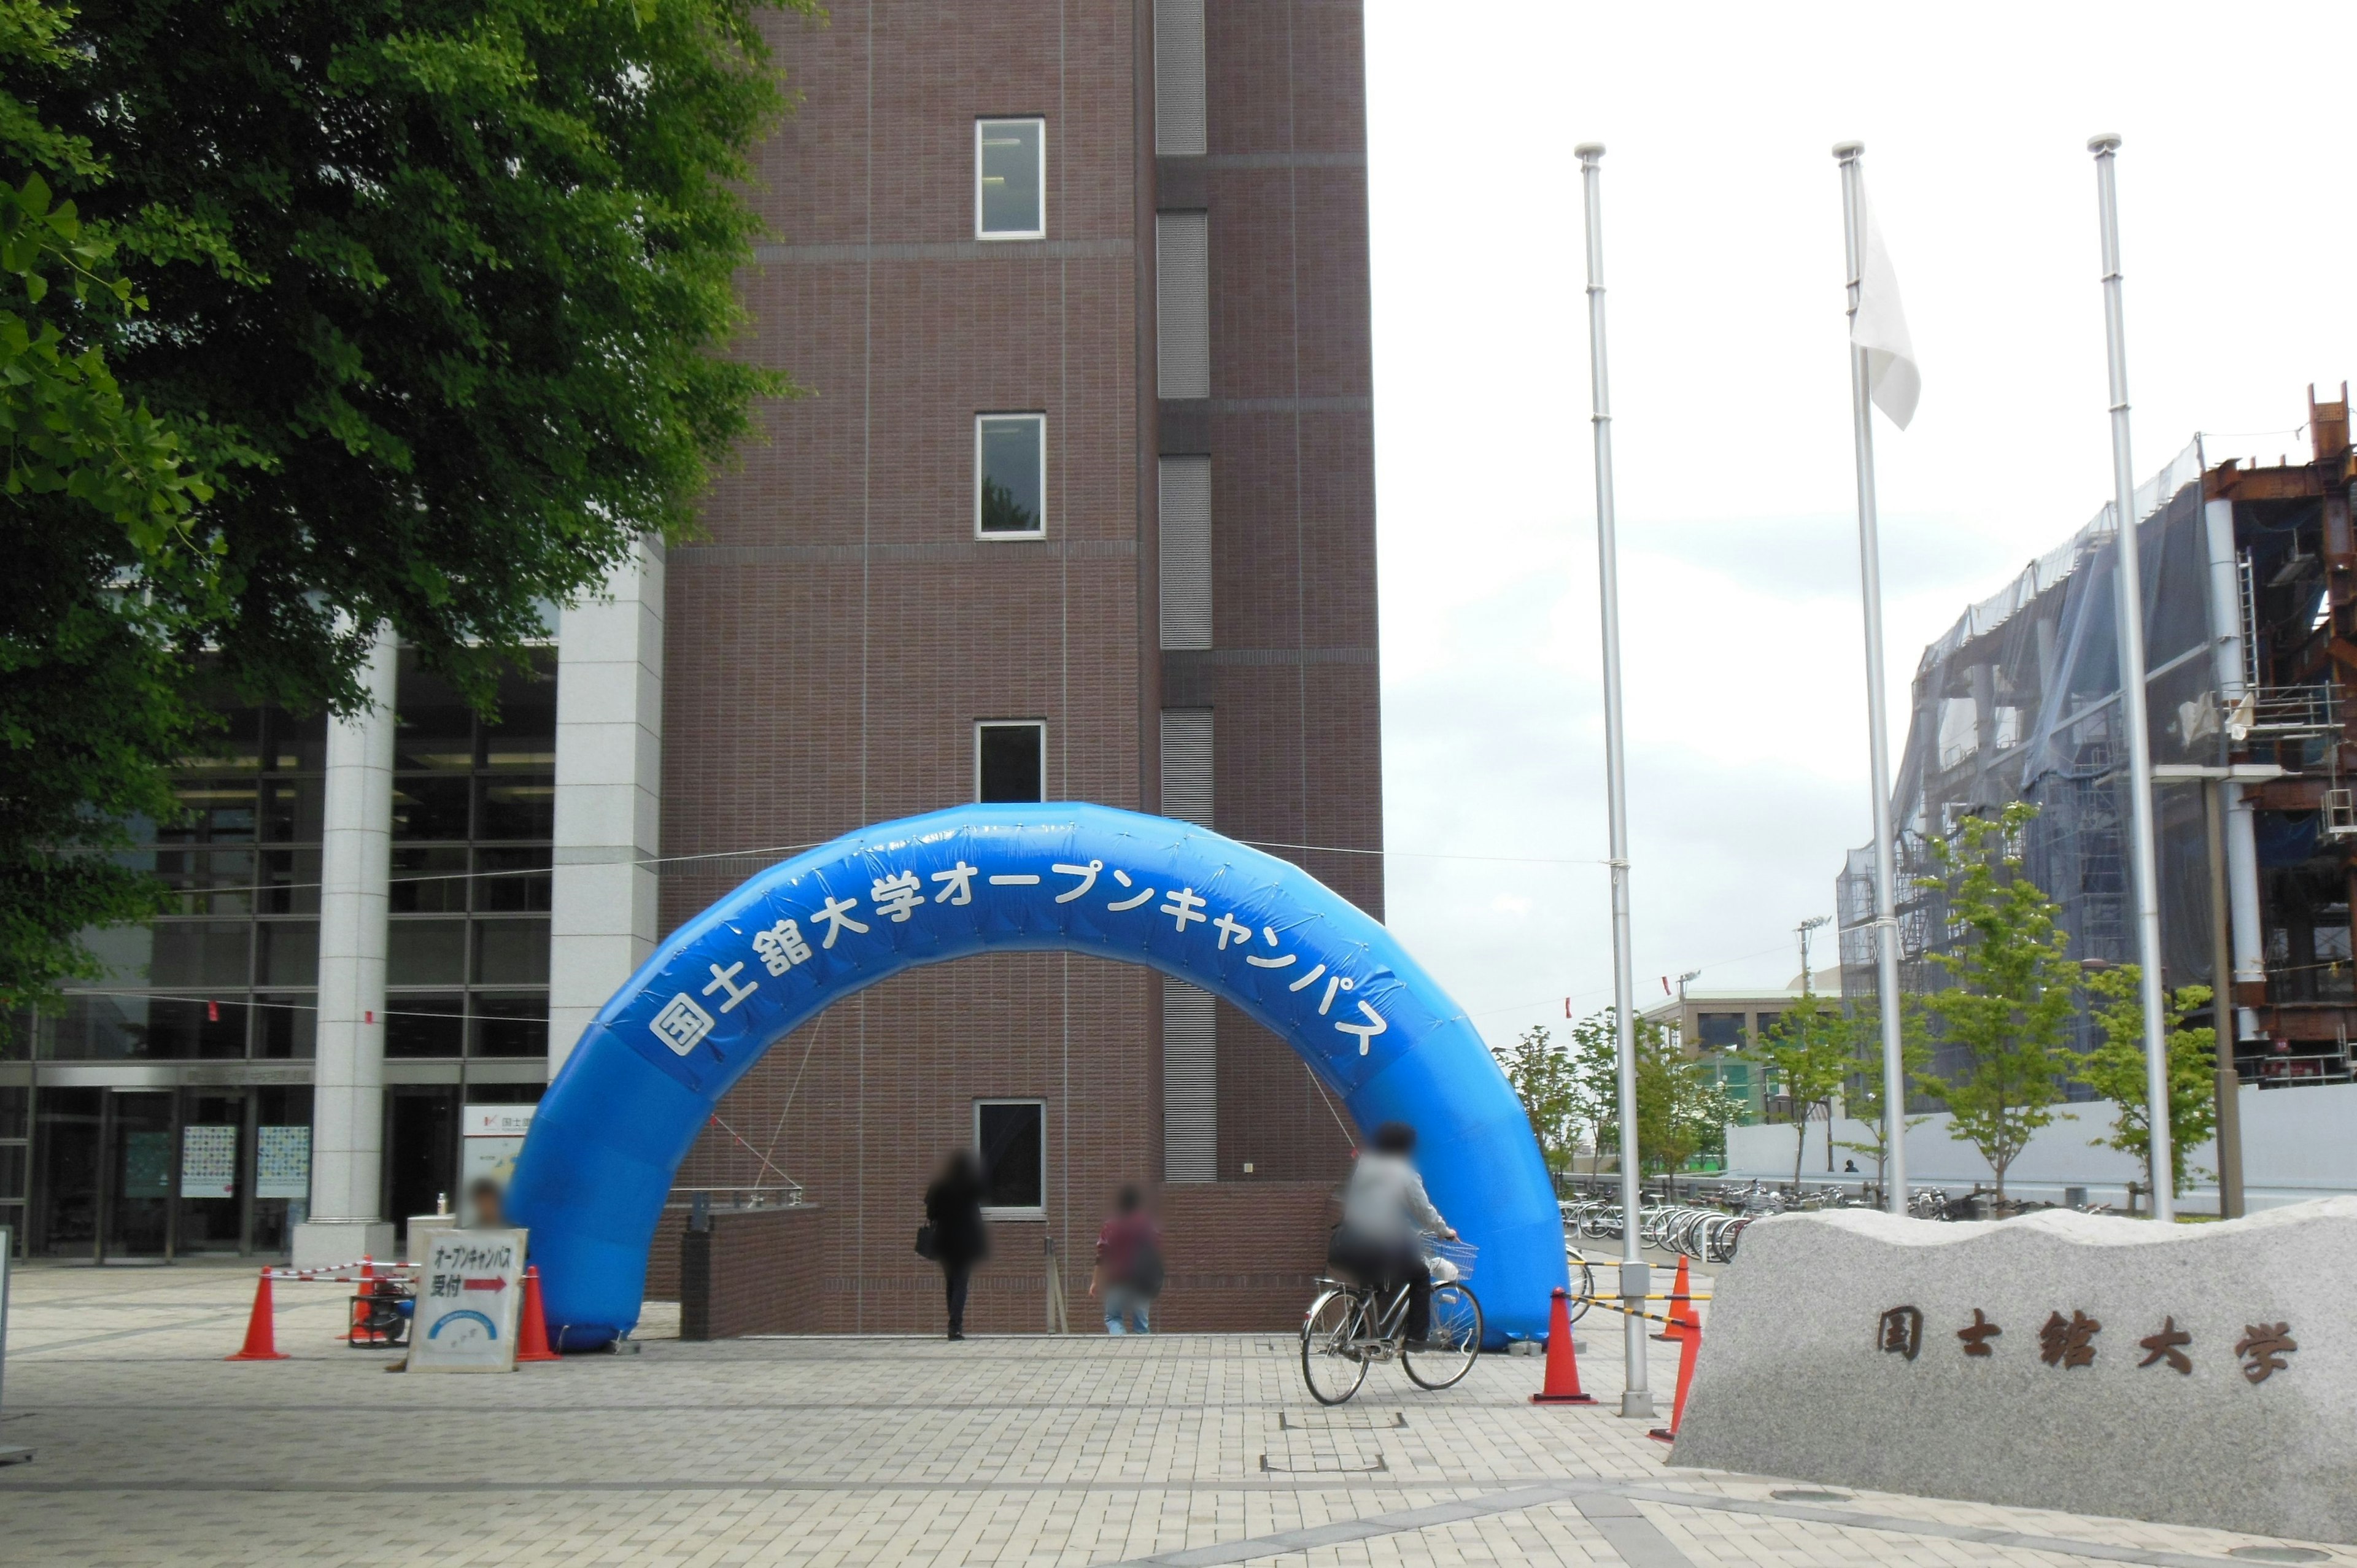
[{"x": 1261, "y": 933}]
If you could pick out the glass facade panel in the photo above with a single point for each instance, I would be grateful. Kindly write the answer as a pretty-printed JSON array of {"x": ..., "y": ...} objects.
[
  {"x": 243, "y": 850},
  {"x": 425, "y": 952},
  {"x": 462, "y": 783}
]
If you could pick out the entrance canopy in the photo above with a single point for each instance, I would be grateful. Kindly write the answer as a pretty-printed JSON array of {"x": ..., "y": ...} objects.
[{"x": 1253, "y": 930}]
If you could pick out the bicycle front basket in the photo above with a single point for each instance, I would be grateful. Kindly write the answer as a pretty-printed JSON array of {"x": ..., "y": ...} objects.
[{"x": 1450, "y": 1259}]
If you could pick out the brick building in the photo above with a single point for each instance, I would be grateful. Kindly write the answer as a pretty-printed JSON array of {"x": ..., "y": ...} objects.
[
  {"x": 1111, "y": 263},
  {"x": 1079, "y": 504}
]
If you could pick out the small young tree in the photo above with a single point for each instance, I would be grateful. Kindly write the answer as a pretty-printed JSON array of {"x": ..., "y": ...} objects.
[
  {"x": 1805, "y": 1057},
  {"x": 1595, "y": 1067},
  {"x": 1541, "y": 1074},
  {"x": 2014, "y": 991},
  {"x": 2115, "y": 1068},
  {"x": 1864, "y": 1096}
]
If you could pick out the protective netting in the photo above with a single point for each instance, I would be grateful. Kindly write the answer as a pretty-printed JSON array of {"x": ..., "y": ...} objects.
[{"x": 2020, "y": 701}]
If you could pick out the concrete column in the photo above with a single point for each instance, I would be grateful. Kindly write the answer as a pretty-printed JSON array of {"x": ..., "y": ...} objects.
[
  {"x": 608, "y": 796},
  {"x": 356, "y": 868}
]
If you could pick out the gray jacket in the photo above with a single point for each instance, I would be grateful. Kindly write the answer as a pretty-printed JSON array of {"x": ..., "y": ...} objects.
[{"x": 1384, "y": 1202}]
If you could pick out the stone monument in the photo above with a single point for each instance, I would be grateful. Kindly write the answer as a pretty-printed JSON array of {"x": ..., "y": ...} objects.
[{"x": 2195, "y": 1374}]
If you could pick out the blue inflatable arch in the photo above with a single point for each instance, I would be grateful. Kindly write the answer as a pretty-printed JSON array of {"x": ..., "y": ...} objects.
[{"x": 1263, "y": 934}]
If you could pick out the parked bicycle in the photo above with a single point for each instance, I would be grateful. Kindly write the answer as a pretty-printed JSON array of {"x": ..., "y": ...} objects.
[{"x": 1350, "y": 1326}]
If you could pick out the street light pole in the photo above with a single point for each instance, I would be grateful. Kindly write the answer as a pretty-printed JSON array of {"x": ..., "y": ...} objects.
[
  {"x": 2128, "y": 610},
  {"x": 1636, "y": 1278},
  {"x": 1878, "y": 723}
]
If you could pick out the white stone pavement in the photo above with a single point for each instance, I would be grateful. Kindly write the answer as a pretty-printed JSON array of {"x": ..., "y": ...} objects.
[{"x": 149, "y": 1449}]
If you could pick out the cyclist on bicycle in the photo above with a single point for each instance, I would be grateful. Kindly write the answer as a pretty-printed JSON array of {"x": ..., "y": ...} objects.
[{"x": 1385, "y": 1216}]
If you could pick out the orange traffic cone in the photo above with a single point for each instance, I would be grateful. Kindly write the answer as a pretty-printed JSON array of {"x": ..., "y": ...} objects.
[
  {"x": 1689, "y": 1337},
  {"x": 260, "y": 1329},
  {"x": 1680, "y": 1306},
  {"x": 532, "y": 1328},
  {"x": 356, "y": 1331},
  {"x": 1562, "y": 1385}
]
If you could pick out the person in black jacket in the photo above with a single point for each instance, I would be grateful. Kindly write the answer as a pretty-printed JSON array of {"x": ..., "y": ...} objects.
[{"x": 954, "y": 1209}]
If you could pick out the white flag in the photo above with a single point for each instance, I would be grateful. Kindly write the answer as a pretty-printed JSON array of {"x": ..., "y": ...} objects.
[{"x": 1880, "y": 329}]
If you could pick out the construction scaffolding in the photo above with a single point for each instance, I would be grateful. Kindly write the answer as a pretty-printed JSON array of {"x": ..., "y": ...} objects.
[{"x": 2250, "y": 607}]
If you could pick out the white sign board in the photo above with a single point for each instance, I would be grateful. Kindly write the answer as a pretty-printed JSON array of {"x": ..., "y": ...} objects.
[
  {"x": 207, "y": 1161},
  {"x": 282, "y": 1162},
  {"x": 469, "y": 1291},
  {"x": 492, "y": 1137}
]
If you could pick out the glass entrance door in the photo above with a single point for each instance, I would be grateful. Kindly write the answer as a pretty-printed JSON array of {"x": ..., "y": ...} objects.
[{"x": 139, "y": 1174}]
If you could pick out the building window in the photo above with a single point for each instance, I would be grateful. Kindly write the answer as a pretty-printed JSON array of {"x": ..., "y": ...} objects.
[
  {"x": 229, "y": 971},
  {"x": 473, "y": 815},
  {"x": 1187, "y": 765},
  {"x": 1720, "y": 1031},
  {"x": 1765, "y": 1025},
  {"x": 1190, "y": 1082},
  {"x": 1010, "y": 179},
  {"x": 1182, "y": 304},
  {"x": 1186, "y": 514},
  {"x": 1178, "y": 77},
  {"x": 1010, "y": 761},
  {"x": 1011, "y": 1137},
  {"x": 1010, "y": 475}
]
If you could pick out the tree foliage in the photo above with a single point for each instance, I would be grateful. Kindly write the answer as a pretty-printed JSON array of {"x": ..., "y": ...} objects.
[
  {"x": 1542, "y": 1075},
  {"x": 1862, "y": 1098},
  {"x": 1680, "y": 1112},
  {"x": 327, "y": 318},
  {"x": 2014, "y": 992},
  {"x": 1806, "y": 1057},
  {"x": 2115, "y": 1068}
]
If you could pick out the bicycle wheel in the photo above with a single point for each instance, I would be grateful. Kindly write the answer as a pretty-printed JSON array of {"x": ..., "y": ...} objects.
[
  {"x": 1331, "y": 1363},
  {"x": 1583, "y": 1286},
  {"x": 1455, "y": 1339}
]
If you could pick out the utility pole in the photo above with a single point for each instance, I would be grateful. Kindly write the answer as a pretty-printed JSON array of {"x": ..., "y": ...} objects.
[
  {"x": 1802, "y": 930},
  {"x": 2128, "y": 610},
  {"x": 1636, "y": 1277}
]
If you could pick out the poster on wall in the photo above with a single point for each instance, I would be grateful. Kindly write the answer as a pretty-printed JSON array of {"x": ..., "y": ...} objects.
[
  {"x": 148, "y": 1164},
  {"x": 282, "y": 1162},
  {"x": 208, "y": 1161},
  {"x": 470, "y": 1286}
]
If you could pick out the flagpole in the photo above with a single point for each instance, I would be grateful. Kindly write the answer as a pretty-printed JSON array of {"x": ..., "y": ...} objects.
[
  {"x": 2128, "y": 610},
  {"x": 1877, "y": 723},
  {"x": 1637, "y": 1401}
]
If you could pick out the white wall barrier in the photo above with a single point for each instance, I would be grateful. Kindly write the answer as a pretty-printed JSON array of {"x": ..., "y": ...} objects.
[{"x": 2298, "y": 1144}]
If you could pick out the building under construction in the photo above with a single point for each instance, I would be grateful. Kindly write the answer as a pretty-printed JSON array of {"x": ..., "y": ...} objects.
[{"x": 2250, "y": 616}]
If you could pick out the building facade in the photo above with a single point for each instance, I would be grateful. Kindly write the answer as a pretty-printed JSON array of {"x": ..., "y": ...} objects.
[
  {"x": 1077, "y": 503},
  {"x": 2250, "y": 583}
]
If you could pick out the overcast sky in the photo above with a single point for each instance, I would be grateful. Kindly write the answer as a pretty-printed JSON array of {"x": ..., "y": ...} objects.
[{"x": 1730, "y": 393}]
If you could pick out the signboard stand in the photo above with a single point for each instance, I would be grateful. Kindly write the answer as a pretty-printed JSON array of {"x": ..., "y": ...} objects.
[{"x": 469, "y": 1298}]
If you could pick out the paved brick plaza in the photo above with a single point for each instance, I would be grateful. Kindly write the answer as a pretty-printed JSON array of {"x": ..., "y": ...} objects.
[{"x": 1188, "y": 1449}]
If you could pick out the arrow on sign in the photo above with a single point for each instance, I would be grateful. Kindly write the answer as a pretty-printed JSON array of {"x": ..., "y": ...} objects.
[{"x": 491, "y": 1284}]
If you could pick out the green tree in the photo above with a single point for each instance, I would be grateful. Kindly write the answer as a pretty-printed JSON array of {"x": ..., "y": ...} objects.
[
  {"x": 1541, "y": 1074},
  {"x": 2013, "y": 993},
  {"x": 1679, "y": 1110},
  {"x": 1806, "y": 1057},
  {"x": 2115, "y": 1068},
  {"x": 1862, "y": 1098},
  {"x": 405, "y": 314},
  {"x": 1595, "y": 1057},
  {"x": 112, "y": 576}
]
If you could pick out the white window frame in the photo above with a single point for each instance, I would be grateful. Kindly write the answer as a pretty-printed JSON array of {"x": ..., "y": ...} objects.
[
  {"x": 994, "y": 1211},
  {"x": 1041, "y": 531},
  {"x": 1039, "y": 726},
  {"x": 982, "y": 128}
]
